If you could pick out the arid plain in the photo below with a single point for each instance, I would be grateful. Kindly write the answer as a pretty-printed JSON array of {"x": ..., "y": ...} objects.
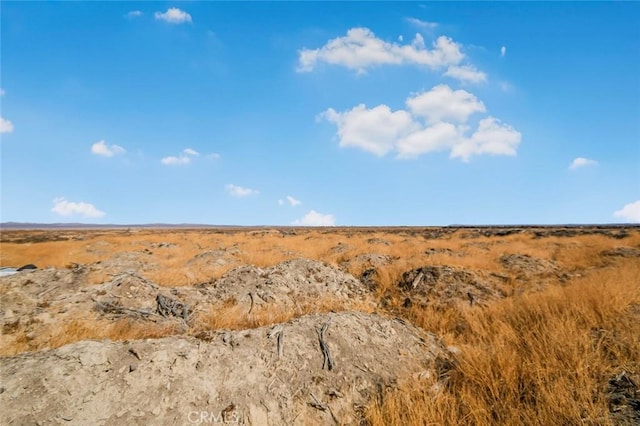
[{"x": 378, "y": 326}]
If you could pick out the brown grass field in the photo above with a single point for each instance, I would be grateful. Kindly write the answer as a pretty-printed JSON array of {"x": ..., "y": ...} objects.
[{"x": 545, "y": 353}]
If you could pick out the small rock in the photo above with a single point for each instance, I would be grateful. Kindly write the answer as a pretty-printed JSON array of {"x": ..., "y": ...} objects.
[{"x": 133, "y": 367}]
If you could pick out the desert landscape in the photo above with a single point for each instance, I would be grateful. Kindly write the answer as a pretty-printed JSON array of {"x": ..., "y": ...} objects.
[{"x": 373, "y": 326}]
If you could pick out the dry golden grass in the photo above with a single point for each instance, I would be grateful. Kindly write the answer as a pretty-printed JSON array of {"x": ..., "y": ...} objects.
[
  {"x": 233, "y": 316},
  {"x": 542, "y": 358},
  {"x": 83, "y": 329}
]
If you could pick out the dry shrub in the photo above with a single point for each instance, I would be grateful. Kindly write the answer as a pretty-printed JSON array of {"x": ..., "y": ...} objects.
[{"x": 542, "y": 358}]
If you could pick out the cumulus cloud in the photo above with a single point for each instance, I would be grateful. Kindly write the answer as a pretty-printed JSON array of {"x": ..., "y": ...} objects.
[
  {"x": 435, "y": 120},
  {"x": 375, "y": 130},
  {"x": 361, "y": 49},
  {"x": 173, "y": 16},
  {"x": 183, "y": 159},
  {"x": 69, "y": 208},
  {"x": 441, "y": 103},
  {"x": 630, "y": 212},
  {"x": 238, "y": 191},
  {"x": 438, "y": 137},
  {"x": 101, "y": 148},
  {"x": 492, "y": 137},
  {"x": 5, "y": 126},
  {"x": 313, "y": 218},
  {"x": 423, "y": 25},
  {"x": 582, "y": 162},
  {"x": 466, "y": 74},
  {"x": 503, "y": 51},
  {"x": 134, "y": 14}
]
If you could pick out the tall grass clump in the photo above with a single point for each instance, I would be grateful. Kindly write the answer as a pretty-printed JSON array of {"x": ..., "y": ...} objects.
[{"x": 541, "y": 358}]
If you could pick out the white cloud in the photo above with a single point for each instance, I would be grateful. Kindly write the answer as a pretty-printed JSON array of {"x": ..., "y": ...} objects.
[
  {"x": 239, "y": 192},
  {"x": 439, "y": 137},
  {"x": 630, "y": 212},
  {"x": 173, "y": 16},
  {"x": 492, "y": 137},
  {"x": 183, "y": 159},
  {"x": 176, "y": 161},
  {"x": 445, "y": 113},
  {"x": 134, "y": 14},
  {"x": 281, "y": 202},
  {"x": 400, "y": 38},
  {"x": 424, "y": 25},
  {"x": 5, "y": 126},
  {"x": 292, "y": 201},
  {"x": 441, "y": 103},
  {"x": 503, "y": 51},
  {"x": 68, "y": 208},
  {"x": 213, "y": 156},
  {"x": 313, "y": 218},
  {"x": 361, "y": 49},
  {"x": 466, "y": 73},
  {"x": 374, "y": 130},
  {"x": 191, "y": 152},
  {"x": 101, "y": 148},
  {"x": 582, "y": 162}
]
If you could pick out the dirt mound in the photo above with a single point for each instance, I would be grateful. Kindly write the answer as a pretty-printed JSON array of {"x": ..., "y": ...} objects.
[
  {"x": 41, "y": 301},
  {"x": 340, "y": 248},
  {"x": 446, "y": 285},
  {"x": 436, "y": 251},
  {"x": 29, "y": 290},
  {"x": 132, "y": 295},
  {"x": 220, "y": 257},
  {"x": 379, "y": 241},
  {"x": 139, "y": 261},
  {"x": 365, "y": 261},
  {"x": 285, "y": 284},
  {"x": 316, "y": 369},
  {"x": 525, "y": 265}
]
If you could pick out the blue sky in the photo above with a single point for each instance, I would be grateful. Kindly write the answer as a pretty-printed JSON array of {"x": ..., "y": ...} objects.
[{"x": 320, "y": 113}]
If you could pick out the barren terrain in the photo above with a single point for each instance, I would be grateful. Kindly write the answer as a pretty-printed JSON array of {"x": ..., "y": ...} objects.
[{"x": 377, "y": 326}]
